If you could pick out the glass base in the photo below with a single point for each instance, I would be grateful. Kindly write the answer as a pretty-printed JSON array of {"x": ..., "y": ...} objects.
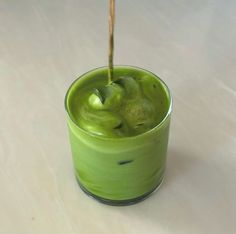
[{"x": 120, "y": 202}]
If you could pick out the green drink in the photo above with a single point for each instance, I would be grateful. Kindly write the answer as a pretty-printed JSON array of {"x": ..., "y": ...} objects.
[{"x": 119, "y": 133}]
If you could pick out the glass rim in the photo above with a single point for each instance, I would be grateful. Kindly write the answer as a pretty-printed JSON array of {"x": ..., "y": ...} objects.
[{"x": 125, "y": 137}]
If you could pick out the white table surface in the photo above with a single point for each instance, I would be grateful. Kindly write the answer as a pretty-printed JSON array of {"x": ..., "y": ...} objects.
[{"x": 45, "y": 45}]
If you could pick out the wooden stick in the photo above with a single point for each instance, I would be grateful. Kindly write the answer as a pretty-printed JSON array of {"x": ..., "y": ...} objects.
[{"x": 111, "y": 40}]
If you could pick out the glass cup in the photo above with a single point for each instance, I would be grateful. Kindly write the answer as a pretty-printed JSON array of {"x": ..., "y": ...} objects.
[{"x": 124, "y": 170}]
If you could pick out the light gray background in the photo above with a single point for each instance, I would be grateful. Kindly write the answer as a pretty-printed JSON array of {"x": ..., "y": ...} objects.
[{"x": 45, "y": 45}]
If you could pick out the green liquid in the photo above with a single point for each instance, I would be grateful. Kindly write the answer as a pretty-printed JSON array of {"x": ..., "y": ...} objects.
[
  {"x": 119, "y": 137},
  {"x": 133, "y": 104}
]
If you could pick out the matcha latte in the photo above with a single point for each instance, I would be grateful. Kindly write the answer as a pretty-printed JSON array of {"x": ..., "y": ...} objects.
[{"x": 119, "y": 133}]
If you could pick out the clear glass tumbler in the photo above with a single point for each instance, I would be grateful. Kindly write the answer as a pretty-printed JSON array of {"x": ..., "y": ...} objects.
[{"x": 125, "y": 170}]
